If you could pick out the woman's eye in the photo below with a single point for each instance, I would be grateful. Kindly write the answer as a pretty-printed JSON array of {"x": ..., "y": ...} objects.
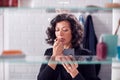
[
  {"x": 57, "y": 30},
  {"x": 65, "y": 30}
]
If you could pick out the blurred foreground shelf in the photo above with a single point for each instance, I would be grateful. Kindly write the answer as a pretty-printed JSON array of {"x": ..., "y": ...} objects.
[{"x": 45, "y": 60}]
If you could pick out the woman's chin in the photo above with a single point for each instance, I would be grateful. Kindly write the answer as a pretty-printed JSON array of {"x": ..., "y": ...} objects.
[{"x": 64, "y": 43}]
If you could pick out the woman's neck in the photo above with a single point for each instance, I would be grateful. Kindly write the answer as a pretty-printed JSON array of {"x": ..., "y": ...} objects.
[{"x": 67, "y": 46}]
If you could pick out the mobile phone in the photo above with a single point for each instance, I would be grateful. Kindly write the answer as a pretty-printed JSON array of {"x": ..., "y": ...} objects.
[{"x": 68, "y": 52}]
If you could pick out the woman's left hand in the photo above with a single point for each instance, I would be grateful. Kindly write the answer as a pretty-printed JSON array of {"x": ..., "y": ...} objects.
[{"x": 70, "y": 65}]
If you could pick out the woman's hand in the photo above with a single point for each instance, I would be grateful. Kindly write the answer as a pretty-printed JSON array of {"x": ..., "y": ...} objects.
[
  {"x": 57, "y": 48},
  {"x": 70, "y": 65},
  {"x": 57, "y": 51}
]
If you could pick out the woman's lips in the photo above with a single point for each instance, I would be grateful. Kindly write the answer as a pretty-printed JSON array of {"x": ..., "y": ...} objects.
[{"x": 62, "y": 39}]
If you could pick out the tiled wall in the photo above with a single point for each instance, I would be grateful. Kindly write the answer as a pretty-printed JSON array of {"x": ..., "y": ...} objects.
[
  {"x": 24, "y": 29},
  {"x": 1, "y": 44},
  {"x": 21, "y": 71},
  {"x": 1, "y": 71},
  {"x": 1, "y": 31},
  {"x": 70, "y": 3}
]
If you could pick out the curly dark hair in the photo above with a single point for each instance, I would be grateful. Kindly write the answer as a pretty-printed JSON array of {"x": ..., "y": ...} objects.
[{"x": 77, "y": 31}]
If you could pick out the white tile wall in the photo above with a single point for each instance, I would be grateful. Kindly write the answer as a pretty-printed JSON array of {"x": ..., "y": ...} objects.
[
  {"x": 21, "y": 71},
  {"x": 1, "y": 71},
  {"x": 105, "y": 72},
  {"x": 1, "y": 43},
  {"x": 24, "y": 29},
  {"x": 1, "y": 30},
  {"x": 102, "y": 23},
  {"x": 71, "y": 3}
]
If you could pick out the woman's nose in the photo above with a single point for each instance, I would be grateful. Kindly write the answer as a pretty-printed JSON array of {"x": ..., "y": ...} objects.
[{"x": 61, "y": 33}]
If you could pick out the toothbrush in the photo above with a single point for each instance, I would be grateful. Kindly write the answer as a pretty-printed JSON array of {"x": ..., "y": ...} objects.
[{"x": 117, "y": 27}]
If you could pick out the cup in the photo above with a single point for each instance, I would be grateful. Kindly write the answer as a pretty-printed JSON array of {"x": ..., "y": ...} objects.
[
  {"x": 118, "y": 51},
  {"x": 111, "y": 43}
]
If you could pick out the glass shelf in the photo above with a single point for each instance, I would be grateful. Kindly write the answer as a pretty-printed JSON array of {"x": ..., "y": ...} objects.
[
  {"x": 61, "y": 9},
  {"x": 45, "y": 59},
  {"x": 74, "y": 6}
]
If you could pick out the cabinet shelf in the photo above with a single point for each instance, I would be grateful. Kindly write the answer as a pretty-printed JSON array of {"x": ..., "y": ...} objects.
[
  {"x": 89, "y": 7},
  {"x": 44, "y": 59},
  {"x": 63, "y": 9}
]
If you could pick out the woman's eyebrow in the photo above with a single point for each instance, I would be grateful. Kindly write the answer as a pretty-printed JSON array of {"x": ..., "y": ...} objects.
[{"x": 65, "y": 26}]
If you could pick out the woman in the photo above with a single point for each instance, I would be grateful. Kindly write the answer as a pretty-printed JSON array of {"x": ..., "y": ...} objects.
[{"x": 65, "y": 33}]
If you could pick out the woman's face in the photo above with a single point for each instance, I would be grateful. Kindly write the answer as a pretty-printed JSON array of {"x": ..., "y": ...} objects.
[{"x": 63, "y": 32}]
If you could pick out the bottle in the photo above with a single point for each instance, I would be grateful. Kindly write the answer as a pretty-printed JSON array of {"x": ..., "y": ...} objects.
[{"x": 101, "y": 50}]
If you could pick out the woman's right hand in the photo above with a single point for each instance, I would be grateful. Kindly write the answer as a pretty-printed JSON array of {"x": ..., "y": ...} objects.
[
  {"x": 57, "y": 51},
  {"x": 58, "y": 47}
]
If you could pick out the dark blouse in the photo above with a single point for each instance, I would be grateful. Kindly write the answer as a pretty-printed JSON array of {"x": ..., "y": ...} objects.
[{"x": 86, "y": 71}]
